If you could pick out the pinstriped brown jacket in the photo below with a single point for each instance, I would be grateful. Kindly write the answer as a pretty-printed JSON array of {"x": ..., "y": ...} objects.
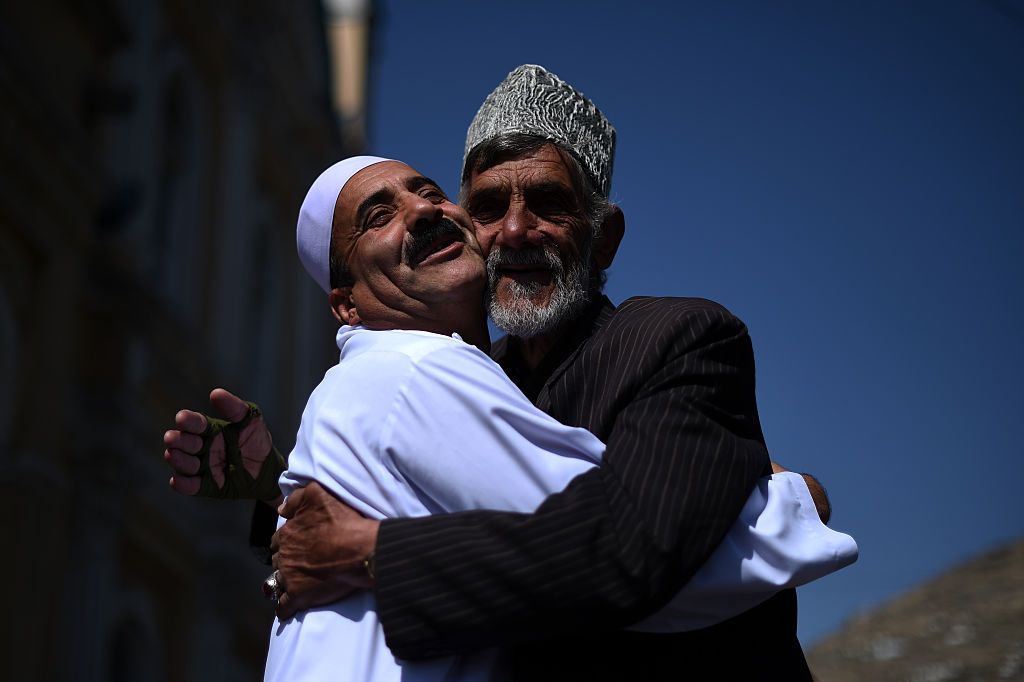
[{"x": 668, "y": 384}]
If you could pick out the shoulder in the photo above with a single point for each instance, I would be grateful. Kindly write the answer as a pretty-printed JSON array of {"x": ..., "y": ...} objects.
[
  {"x": 459, "y": 366},
  {"x": 672, "y": 309},
  {"x": 363, "y": 344},
  {"x": 648, "y": 341},
  {"x": 655, "y": 320},
  {"x": 398, "y": 359},
  {"x": 375, "y": 366}
]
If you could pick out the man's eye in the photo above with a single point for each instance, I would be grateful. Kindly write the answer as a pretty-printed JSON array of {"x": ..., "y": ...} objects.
[
  {"x": 485, "y": 213},
  {"x": 377, "y": 218},
  {"x": 435, "y": 195},
  {"x": 550, "y": 204}
]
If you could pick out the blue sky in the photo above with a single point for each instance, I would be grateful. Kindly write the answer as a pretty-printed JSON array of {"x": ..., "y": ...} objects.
[{"x": 848, "y": 178}]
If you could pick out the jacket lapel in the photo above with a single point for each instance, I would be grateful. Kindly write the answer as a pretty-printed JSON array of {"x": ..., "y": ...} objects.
[{"x": 576, "y": 340}]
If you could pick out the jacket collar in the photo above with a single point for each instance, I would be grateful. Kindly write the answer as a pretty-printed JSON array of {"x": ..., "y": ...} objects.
[{"x": 535, "y": 383}]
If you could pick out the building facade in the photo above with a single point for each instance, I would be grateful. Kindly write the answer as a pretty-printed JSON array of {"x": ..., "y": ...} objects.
[{"x": 155, "y": 155}]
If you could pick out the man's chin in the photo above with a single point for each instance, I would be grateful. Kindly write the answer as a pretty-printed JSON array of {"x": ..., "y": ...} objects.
[
  {"x": 523, "y": 316},
  {"x": 525, "y": 299}
]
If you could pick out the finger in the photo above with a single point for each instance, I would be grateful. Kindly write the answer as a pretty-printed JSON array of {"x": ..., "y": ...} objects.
[
  {"x": 182, "y": 463},
  {"x": 193, "y": 422},
  {"x": 286, "y": 607},
  {"x": 289, "y": 604},
  {"x": 186, "y": 485},
  {"x": 228, "y": 405},
  {"x": 282, "y": 584},
  {"x": 275, "y": 545},
  {"x": 291, "y": 503},
  {"x": 181, "y": 440}
]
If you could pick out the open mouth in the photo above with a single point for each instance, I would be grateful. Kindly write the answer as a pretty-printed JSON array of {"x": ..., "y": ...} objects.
[
  {"x": 439, "y": 249},
  {"x": 435, "y": 243},
  {"x": 537, "y": 266},
  {"x": 526, "y": 273}
]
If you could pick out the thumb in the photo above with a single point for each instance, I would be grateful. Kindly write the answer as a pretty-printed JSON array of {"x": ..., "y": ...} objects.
[
  {"x": 228, "y": 405},
  {"x": 291, "y": 503}
]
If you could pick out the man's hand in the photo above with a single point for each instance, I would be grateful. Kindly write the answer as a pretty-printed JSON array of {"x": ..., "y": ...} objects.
[
  {"x": 216, "y": 458},
  {"x": 818, "y": 494},
  {"x": 321, "y": 551}
]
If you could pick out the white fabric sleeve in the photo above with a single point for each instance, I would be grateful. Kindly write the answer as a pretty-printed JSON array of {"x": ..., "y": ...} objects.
[
  {"x": 777, "y": 542},
  {"x": 464, "y": 437},
  {"x": 337, "y": 443}
]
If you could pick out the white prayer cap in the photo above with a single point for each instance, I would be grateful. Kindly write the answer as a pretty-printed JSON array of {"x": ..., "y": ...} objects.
[{"x": 316, "y": 216}]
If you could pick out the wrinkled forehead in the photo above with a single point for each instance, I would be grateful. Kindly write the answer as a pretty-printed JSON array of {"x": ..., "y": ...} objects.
[
  {"x": 376, "y": 180},
  {"x": 547, "y": 166}
]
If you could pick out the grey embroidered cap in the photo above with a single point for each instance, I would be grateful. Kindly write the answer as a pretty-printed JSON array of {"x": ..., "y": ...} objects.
[{"x": 533, "y": 100}]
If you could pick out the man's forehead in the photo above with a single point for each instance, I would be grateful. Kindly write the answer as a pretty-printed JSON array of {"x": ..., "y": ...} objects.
[
  {"x": 378, "y": 182},
  {"x": 373, "y": 178},
  {"x": 546, "y": 165}
]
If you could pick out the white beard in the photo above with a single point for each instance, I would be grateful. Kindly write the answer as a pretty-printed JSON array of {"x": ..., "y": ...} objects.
[{"x": 517, "y": 314}]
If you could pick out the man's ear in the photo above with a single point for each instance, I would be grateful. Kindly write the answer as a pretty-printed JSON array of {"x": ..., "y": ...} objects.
[
  {"x": 343, "y": 306},
  {"x": 612, "y": 229}
]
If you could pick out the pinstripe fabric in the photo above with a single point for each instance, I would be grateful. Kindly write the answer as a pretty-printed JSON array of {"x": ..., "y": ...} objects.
[{"x": 668, "y": 384}]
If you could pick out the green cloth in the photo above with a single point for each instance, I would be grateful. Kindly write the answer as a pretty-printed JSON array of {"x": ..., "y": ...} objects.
[{"x": 238, "y": 484}]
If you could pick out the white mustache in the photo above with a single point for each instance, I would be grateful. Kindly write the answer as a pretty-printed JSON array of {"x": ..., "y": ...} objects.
[{"x": 536, "y": 257}]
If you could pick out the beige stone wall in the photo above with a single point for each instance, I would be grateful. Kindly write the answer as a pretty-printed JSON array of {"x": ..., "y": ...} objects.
[
  {"x": 964, "y": 625},
  {"x": 155, "y": 153}
]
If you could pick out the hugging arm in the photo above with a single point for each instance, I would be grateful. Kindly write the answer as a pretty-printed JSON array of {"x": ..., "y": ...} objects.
[{"x": 619, "y": 541}]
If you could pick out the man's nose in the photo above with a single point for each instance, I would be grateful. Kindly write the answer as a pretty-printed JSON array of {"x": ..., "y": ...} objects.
[
  {"x": 421, "y": 212},
  {"x": 518, "y": 229}
]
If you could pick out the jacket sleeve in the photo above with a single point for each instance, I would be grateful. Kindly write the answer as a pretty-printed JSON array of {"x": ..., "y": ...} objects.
[{"x": 682, "y": 457}]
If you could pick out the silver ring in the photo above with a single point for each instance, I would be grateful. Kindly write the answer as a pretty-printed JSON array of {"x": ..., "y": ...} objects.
[{"x": 272, "y": 587}]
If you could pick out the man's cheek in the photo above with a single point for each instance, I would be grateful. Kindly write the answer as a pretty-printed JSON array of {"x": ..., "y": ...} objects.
[{"x": 484, "y": 237}]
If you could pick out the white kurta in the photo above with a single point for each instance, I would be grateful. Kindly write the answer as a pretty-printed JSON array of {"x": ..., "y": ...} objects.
[{"x": 412, "y": 423}]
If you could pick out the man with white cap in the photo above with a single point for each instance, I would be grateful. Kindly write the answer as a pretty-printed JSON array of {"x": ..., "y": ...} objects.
[{"x": 666, "y": 383}]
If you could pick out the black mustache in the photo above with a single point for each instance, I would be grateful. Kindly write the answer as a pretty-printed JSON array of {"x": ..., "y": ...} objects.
[{"x": 421, "y": 239}]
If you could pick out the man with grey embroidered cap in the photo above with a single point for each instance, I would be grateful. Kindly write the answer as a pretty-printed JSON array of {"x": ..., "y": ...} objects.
[
  {"x": 666, "y": 383},
  {"x": 415, "y": 420}
]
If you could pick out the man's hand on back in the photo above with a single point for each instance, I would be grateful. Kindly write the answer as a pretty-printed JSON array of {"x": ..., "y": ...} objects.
[
  {"x": 321, "y": 552},
  {"x": 817, "y": 490},
  {"x": 233, "y": 457}
]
